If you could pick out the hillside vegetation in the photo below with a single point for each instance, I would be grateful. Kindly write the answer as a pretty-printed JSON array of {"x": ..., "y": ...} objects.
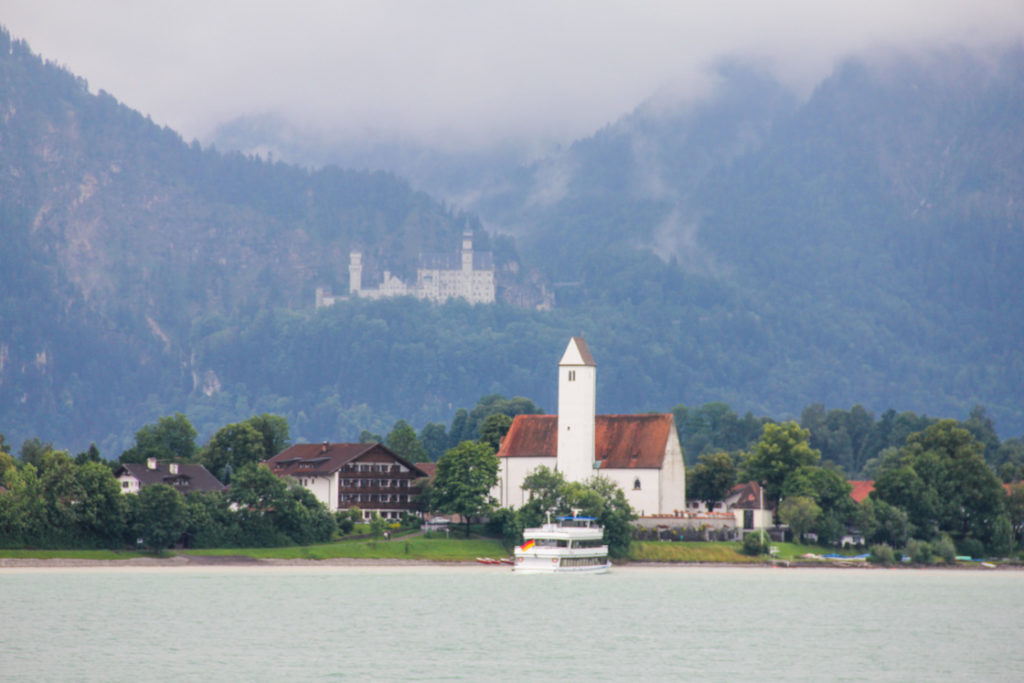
[{"x": 862, "y": 247}]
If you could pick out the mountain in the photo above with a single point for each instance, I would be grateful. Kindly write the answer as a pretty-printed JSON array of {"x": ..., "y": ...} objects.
[{"x": 858, "y": 246}]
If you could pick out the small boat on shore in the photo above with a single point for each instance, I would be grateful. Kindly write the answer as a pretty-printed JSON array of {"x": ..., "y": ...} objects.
[{"x": 572, "y": 544}]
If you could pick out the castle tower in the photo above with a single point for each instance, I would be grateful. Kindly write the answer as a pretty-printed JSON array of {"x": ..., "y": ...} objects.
[
  {"x": 355, "y": 272},
  {"x": 577, "y": 404},
  {"x": 467, "y": 251}
]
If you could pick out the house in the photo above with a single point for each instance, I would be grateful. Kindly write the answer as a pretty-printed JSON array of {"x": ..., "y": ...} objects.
[
  {"x": 184, "y": 477},
  {"x": 640, "y": 453},
  {"x": 746, "y": 504},
  {"x": 343, "y": 475},
  {"x": 861, "y": 489}
]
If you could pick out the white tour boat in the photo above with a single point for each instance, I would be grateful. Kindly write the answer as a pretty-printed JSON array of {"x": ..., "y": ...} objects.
[{"x": 570, "y": 544}]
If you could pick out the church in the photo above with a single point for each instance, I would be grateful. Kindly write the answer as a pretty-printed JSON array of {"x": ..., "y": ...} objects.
[{"x": 640, "y": 453}]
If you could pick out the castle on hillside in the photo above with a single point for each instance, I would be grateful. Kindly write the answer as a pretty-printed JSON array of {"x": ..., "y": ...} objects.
[{"x": 468, "y": 276}]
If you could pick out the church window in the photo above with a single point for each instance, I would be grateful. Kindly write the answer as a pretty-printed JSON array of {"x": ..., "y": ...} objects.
[
  {"x": 572, "y": 375},
  {"x": 636, "y": 484}
]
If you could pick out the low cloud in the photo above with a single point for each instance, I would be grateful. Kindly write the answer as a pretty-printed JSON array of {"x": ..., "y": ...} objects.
[{"x": 463, "y": 75}]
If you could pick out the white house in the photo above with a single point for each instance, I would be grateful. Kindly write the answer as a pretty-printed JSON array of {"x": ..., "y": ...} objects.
[{"x": 640, "y": 453}]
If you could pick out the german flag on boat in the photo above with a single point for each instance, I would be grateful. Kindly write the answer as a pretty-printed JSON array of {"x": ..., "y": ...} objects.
[{"x": 529, "y": 544}]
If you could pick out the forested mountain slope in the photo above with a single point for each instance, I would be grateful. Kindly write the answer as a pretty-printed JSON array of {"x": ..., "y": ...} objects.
[{"x": 860, "y": 247}]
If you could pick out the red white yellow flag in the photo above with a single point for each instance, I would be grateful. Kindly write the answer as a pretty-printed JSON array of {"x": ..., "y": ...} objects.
[{"x": 529, "y": 544}]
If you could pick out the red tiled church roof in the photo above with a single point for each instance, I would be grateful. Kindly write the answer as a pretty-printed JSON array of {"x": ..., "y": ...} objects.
[{"x": 621, "y": 441}]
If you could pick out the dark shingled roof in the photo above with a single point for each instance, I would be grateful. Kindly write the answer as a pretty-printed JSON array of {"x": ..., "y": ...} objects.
[
  {"x": 326, "y": 458},
  {"x": 620, "y": 441},
  {"x": 190, "y": 477}
]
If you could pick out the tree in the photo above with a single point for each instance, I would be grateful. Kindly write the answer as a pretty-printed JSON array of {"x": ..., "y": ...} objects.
[
  {"x": 942, "y": 481},
  {"x": 465, "y": 476},
  {"x": 234, "y": 446},
  {"x": 405, "y": 444},
  {"x": 90, "y": 455},
  {"x": 801, "y": 514},
  {"x": 171, "y": 438},
  {"x": 1015, "y": 507},
  {"x": 710, "y": 480},
  {"x": 494, "y": 428},
  {"x": 274, "y": 431},
  {"x": 434, "y": 438},
  {"x": 781, "y": 450},
  {"x": 162, "y": 518},
  {"x": 366, "y": 436}
]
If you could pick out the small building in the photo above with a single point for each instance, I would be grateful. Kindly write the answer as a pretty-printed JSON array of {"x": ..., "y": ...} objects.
[
  {"x": 745, "y": 504},
  {"x": 640, "y": 453},
  {"x": 183, "y": 477},
  {"x": 344, "y": 475}
]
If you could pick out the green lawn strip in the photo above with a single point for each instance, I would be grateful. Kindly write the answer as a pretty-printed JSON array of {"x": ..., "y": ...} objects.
[
  {"x": 416, "y": 548},
  {"x": 699, "y": 551},
  {"x": 658, "y": 551},
  {"x": 70, "y": 554}
]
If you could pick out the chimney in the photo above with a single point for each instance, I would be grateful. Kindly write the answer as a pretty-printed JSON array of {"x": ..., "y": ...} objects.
[
  {"x": 173, "y": 467},
  {"x": 324, "y": 447},
  {"x": 151, "y": 463}
]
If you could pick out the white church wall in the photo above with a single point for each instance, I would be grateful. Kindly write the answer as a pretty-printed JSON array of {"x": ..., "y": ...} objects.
[
  {"x": 511, "y": 473},
  {"x": 673, "y": 476},
  {"x": 643, "y": 499}
]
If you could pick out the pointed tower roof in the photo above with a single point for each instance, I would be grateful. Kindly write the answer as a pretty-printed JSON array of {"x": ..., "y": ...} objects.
[{"x": 577, "y": 353}]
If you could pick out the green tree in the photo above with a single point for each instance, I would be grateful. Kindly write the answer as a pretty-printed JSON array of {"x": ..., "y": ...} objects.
[
  {"x": 710, "y": 480},
  {"x": 274, "y": 431},
  {"x": 34, "y": 452},
  {"x": 782, "y": 449},
  {"x": 465, "y": 476},
  {"x": 92, "y": 454},
  {"x": 494, "y": 428},
  {"x": 434, "y": 438},
  {"x": 162, "y": 518},
  {"x": 99, "y": 508},
  {"x": 211, "y": 521},
  {"x": 366, "y": 436},
  {"x": 1015, "y": 508},
  {"x": 234, "y": 445},
  {"x": 405, "y": 444},
  {"x": 944, "y": 484},
  {"x": 170, "y": 438},
  {"x": 801, "y": 514}
]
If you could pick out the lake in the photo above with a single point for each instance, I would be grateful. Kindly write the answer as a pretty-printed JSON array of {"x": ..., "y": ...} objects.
[{"x": 470, "y": 623}]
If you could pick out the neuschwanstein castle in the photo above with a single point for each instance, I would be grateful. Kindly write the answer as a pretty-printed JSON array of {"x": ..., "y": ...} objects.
[{"x": 438, "y": 279}]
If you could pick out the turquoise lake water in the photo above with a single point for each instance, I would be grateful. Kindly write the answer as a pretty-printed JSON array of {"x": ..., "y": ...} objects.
[{"x": 472, "y": 623}]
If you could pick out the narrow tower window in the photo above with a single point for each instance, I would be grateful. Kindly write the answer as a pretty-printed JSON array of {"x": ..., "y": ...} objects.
[{"x": 572, "y": 375}]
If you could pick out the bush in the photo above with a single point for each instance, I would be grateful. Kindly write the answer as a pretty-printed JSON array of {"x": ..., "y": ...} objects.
[
  {"x": 920, "y": 552},
  {"x": 971, "y": 546},
  {"x": 752, "y": 544},
  {"x": 882, "y": 554},
  {"x": 944, "y": 549},
  {"x": 344, "y": 522}
]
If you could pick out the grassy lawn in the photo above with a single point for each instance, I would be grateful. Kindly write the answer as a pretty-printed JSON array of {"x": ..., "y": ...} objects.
[
  {"x": 70, "y": 554},
  {"x": 664, "y": 551},
  {"x": 415, "y": 548}
]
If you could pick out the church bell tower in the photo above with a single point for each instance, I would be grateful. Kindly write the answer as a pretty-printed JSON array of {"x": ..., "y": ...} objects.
[{"x": 577, "y": 405}]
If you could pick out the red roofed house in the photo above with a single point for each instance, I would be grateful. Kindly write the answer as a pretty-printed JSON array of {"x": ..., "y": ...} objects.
[
  {"x": 640, "y": 453},
  {"x": 342, "y": 475},
  {"x": 861, "y": 490}
]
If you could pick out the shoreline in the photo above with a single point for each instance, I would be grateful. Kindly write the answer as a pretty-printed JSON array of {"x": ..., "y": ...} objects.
[{"x": 245, "y": 562}]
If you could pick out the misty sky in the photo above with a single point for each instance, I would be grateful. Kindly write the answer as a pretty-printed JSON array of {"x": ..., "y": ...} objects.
[{"x": 465, "y": 73}]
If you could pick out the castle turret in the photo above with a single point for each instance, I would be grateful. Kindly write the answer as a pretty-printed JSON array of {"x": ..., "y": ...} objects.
[
  {"x": 355, "y": 272},
  {"x": 577, "y": 405},
  {"x": 467, "y": 251}
]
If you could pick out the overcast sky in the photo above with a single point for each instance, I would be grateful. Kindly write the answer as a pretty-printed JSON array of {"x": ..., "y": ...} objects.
[{"x": 464, "y": 73}]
